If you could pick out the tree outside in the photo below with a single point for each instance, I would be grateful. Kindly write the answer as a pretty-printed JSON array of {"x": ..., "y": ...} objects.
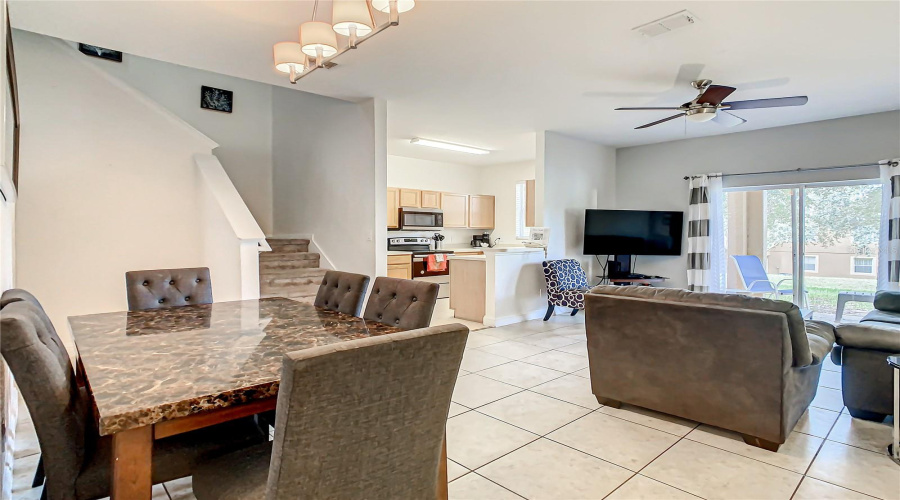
[{"x": 840, "y": 221}]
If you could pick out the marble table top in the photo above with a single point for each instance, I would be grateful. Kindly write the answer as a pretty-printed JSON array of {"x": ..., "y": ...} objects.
[{"x": 145, "y": 367}]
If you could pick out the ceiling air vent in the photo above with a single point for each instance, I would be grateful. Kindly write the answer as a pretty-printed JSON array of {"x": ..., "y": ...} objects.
[{"x": 667, "y": 24}]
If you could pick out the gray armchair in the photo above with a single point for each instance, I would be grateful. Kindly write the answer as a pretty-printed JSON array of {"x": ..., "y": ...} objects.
[
  {"x": 862, "y": 352},
  {"x": 747, "y": 364},
  {"x": 76, "y": 459}
]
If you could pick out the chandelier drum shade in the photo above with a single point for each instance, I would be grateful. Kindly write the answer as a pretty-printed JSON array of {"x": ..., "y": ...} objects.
[
  {"x": 289, "y": 57},
  {"x": 317, "y": 39},
  {"x": 385, "y": 5},
  {"x": 350, "y": 15},
  {"x": 352, "y": 23}
]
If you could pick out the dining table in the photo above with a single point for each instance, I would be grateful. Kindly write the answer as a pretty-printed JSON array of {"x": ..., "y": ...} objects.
[{"x": 157, "y": 373}]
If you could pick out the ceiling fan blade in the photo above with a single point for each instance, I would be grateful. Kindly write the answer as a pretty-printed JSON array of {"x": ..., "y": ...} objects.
[
  {"x": 777, "y": 102},
  {"x": 715, "y": 94},
  {"x": 728, "y": 119},
  {"x": 646, "y": 109},
  {"x": 657, "y": 122}
]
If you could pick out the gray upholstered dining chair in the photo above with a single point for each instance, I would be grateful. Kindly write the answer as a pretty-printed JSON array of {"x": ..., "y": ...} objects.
[
  {"x": 342, "y": 292},
  {"x": 76, "y": 458},
  {"x": 356, "y": 420},
  {"x": 157, "y": 288},
  {"x": 405, "y": 304}
]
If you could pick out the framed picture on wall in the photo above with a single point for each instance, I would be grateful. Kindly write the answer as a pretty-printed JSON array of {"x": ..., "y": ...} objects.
[
  {"x": 102, "y": 53},
  {"x": 216, "y": 99}
]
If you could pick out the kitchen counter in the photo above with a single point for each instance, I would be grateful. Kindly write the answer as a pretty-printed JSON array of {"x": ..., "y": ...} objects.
[{"x": 466, "y": 257}]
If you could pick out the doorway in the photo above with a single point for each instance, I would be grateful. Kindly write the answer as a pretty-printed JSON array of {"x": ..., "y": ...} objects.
[{"x": 814, "y": 244}]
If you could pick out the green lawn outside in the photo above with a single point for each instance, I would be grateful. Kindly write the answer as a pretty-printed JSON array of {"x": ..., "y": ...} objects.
[{"x": 823, "y": 293}]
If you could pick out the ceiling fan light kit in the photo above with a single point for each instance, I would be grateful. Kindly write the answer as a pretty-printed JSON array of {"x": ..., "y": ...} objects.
[
  {"x": 319, "y": 43},
  {"x": 709, "y": 106}
]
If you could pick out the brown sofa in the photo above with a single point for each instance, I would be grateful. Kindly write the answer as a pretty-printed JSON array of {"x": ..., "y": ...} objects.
[{"x": 745, "y": 364}]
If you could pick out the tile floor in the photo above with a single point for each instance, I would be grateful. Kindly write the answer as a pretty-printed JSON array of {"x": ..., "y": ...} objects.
[{"x": 524, "y": 424}]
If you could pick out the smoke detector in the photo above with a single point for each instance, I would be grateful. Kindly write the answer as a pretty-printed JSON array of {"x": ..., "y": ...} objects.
[{"x": 666, "y": 24}]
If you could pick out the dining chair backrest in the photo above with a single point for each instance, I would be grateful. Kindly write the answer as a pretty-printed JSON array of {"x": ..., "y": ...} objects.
[
  {"x": 405, "y": 304},
  {"x": 158, "y": 288},
  {"x": 753, "y": 274},
  {"x": 365, "y": 418},
  {"x": 45, "y": 376},
  {"x": 342, "y": 292}
]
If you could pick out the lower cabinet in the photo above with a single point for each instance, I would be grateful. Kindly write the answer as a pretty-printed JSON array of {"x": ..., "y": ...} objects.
[{"x": 399, "y": 266}]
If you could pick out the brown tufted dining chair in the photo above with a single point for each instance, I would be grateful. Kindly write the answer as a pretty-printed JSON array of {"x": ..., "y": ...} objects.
[
  {"x": 77, "y": 460},
  {"x": 342, "y": 292},
  {"x": 158, "y": 288},
  {"x": 405, "y": 304},
  {"x": 356, "y": 420}
]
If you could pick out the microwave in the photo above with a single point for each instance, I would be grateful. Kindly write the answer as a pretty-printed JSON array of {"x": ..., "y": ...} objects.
[{"x": 421, "y": 219}]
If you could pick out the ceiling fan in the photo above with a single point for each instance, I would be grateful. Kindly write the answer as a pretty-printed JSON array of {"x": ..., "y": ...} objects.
[{"x": 708, "y": 105}]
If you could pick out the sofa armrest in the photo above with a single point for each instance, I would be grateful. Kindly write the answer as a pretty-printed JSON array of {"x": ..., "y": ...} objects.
[
  {"x": 887, "y": 301},
  {"x": 883, "y": 336}
]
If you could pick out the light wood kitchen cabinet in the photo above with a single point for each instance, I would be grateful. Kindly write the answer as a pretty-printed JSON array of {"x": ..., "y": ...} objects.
[
  {"x": 431, "y": 199},
  {"x": 456, "y": 209},
  {"x": 399, "y": 266},
  {"x": 411, "y": 198},
  {"x": 481, "y": 211},
  {"x": 393, "y": 208}
]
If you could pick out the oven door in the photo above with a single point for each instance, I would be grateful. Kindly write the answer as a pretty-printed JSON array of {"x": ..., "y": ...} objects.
[
  {"x": 421, "y": 220},
  {"x": 420, "y": 270}
]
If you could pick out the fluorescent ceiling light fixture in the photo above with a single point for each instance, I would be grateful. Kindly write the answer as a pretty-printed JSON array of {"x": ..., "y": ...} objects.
[{"x": 450, "y": 146}]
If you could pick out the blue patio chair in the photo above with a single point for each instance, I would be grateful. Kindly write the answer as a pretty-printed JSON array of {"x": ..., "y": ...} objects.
[
  {"x": 755, "y": 280},
  {"x": 566, "y": 285}
]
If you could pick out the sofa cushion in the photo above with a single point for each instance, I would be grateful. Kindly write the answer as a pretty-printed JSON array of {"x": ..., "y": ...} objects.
[
  {"x": 870, "y": 335},
  {"x": 820, "y": 336},
  {"x": 796, "y": 326},
  {"x": 887, "y": 301},
  {"x": 877, "y": 316}
]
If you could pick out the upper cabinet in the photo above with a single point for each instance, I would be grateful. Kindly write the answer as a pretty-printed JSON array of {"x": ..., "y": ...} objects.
[
  {"x": 474, "y": 211},
  {"x": 481, "y": 211},
  {"x": 431, "y": 199},
  {"x": 456, "y": 209},
  {"x": 393, "y": 208},
  {"x": 410, "y": 198}
]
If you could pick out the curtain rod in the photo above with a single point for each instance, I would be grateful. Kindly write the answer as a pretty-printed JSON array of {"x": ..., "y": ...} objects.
[{"x": 795, "y": 170}]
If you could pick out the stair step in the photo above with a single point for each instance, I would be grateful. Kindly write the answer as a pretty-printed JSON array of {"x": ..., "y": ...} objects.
[
  {"x": 309, "y": 272},
  {"x": 279, "y": 282},
  {"x": 288, "y": 246},
  {"x": 293, "y": 292},
  {"x": 274, "y": 256},
  {"x": 287, "y": 265}
]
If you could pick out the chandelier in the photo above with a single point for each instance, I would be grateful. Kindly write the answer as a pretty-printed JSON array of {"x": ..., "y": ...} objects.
[{"x": 320, "y": 42}]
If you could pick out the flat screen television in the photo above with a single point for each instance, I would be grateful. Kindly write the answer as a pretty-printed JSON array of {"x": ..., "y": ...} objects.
[{"x": 632, "y": 232}]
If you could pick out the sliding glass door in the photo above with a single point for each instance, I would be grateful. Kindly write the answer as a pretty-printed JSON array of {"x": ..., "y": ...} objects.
[{"x": 813, "y": 244}]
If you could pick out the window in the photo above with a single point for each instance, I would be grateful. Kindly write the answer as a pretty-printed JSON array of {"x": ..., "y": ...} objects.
[
  {"x": 811, "y": 263},
  {"x": 521, "y": 193},
  {"x": 863, "y": 265}
]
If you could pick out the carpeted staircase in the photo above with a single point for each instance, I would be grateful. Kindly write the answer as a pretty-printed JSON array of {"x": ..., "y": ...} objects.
[{"x": 289, "y": 270}]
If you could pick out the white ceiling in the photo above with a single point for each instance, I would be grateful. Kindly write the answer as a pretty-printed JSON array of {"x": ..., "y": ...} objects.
[{"x": 491, "y": 73}]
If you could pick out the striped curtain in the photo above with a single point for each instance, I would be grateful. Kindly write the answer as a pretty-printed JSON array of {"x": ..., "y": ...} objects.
[
  {"x": 889, "y": 244},
  {"x": 706, "y": 240}
]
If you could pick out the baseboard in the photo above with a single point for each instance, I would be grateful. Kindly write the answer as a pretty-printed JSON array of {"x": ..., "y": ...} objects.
[{"x": 513, "y": 318}]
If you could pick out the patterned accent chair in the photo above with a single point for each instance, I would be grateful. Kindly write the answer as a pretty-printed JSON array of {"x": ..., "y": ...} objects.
[{"x": 566, "y": 285}]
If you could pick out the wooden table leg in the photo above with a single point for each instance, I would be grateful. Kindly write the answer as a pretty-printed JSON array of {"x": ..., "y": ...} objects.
[
  {"x": 442, "y": 472},
  {"x": 132, "y": 456}
]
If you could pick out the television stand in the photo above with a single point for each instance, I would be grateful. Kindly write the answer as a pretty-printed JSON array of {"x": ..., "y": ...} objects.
[{"x": 643, "y": 281}]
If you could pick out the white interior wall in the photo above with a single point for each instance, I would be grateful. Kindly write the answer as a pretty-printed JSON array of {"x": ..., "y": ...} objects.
[
  {"x": 500, "y": 181},
  {"x": 326, "y": 173},
  {"x": 573, "y": 175},
  {"x": 244, "y": 135},
  {"x": 651, "y": 177},
  {"x": 107, "y": 183}
]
